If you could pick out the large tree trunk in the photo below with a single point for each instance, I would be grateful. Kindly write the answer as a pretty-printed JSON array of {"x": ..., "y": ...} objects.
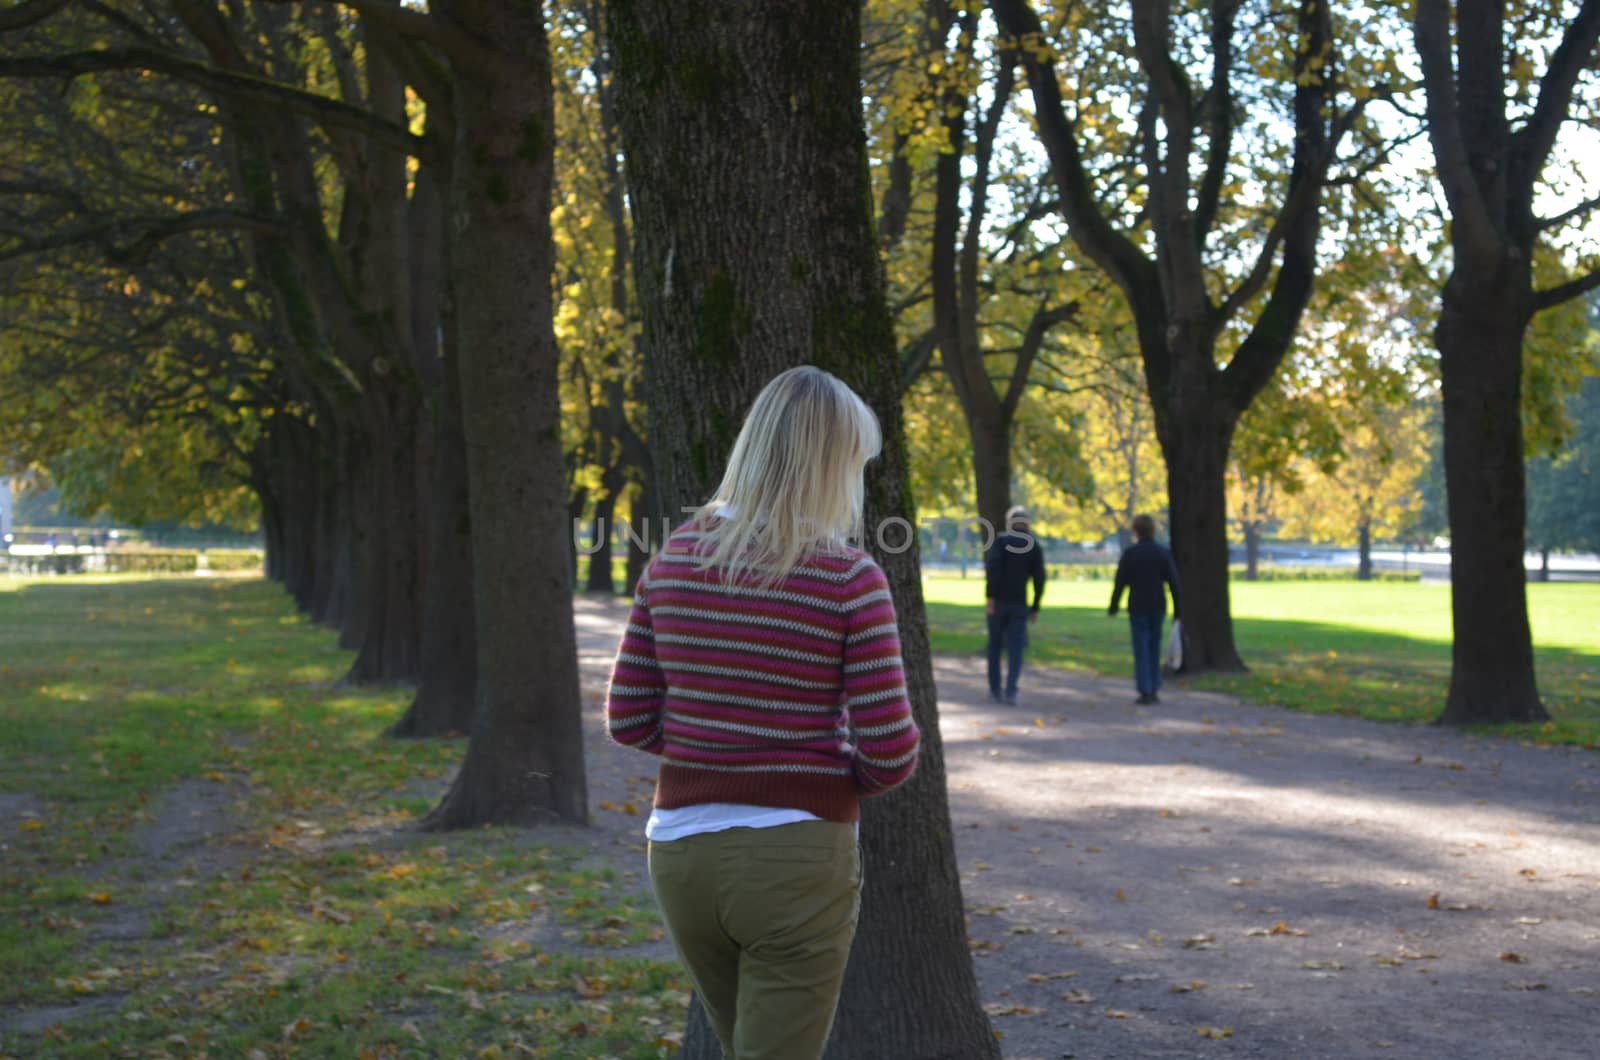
[
  {"x": 524, "y": 763},
  {"x": 753, "y": 229},
  {"x": 991, "y": 468},
  {"x": 1364, "y": 566},
  {"x": 1172, "y": 294},
  {"x": 1252, "y": 550},
  {"x": 1489, "y": 175},
  {"x": 1480, "y": 346},
  {"x": 1196, "y": 447},
  {"x": 605, "y": 531},
  {"x": 447, "y": 681},
  {"x": 645, "y": 529},
  {"x": 389, "y": 645}
]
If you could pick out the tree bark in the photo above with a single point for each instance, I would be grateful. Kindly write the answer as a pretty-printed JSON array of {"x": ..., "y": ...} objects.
[
  {"x": 524, "y": 763},
  {"x": 1480, "y": 347},
  {"x": 1364, "y": 567},
  {"x": 1489, "y": 175},
  {"x": 754, "y": 253},
  {"x": 1196, "y": 448},
  {"x": 1252, "y": 550},
  {"x": 447, "y": 681},
  {"x": 605, "y": 529}
]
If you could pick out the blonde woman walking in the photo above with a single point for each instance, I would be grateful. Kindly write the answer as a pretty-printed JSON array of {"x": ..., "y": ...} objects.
[{"x": 762, "y": 663}]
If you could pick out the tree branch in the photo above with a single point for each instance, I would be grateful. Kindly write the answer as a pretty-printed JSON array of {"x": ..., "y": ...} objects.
[
  {"x": 1094, "y": 234},
  {"x": 915, "y": 358},
  {"x": 1219, "y": 102},
  {"x": 462, "y": 48},
  {"x": 1044, "y": 318},
  {"x": 1532, "y": 144},
  {"x": 1468, "y": 209},
  {"x": 130, "y": 240},
  {"x": 1544, "y": 224},
  {"x": 329, "y": 112},
  {"x": 1554, "y": 296},
  {"x": 28, "y": 13}
]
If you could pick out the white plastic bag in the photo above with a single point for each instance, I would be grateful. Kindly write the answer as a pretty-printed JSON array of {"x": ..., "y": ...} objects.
[{"x": 1174, "y": 659}]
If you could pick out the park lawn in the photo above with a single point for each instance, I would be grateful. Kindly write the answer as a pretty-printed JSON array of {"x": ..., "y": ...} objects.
[
  {"x": 1375, "y": 649},
  {"x": 321, "y": 926}
]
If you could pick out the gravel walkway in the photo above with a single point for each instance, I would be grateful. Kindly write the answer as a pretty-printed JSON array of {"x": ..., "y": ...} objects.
[{"x": 1202, "y": 878}]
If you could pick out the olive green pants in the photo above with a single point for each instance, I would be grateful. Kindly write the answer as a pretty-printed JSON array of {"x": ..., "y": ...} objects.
[{"x": 762, "y": 918}]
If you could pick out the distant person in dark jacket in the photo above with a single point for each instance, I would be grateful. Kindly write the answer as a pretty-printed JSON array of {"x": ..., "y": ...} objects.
[
  {"x": 1146, "y": 570},
  {"x": 1014, "y": 558}
]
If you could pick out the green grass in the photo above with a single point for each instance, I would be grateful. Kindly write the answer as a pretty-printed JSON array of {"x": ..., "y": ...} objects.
[
  {"x": 1378, "y": 649},
  {"x": 324, "y": 925}
]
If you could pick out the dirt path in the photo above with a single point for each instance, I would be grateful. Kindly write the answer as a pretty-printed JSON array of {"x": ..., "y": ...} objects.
[{"x": 1203, "y": 878}]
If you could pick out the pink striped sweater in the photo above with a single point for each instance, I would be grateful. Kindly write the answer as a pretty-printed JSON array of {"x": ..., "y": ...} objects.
[{"x": 790, "y": 696}]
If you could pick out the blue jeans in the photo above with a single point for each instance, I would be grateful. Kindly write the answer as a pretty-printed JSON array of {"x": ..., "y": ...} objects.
[
  {"x": 1008, "y": 625},
  {"x": 1146, "y": 630}
]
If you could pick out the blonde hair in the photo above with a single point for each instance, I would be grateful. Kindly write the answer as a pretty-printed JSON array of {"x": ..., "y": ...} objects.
[{"x": 792, "y": 488}]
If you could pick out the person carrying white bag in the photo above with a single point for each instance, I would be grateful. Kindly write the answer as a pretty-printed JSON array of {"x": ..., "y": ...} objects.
[{"x": 1146, "y": 570}]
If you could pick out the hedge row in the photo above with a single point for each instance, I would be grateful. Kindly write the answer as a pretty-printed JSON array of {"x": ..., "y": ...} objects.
[
  {"x": 135, "y": 561},
  {"x": 1104, "y": 572}
]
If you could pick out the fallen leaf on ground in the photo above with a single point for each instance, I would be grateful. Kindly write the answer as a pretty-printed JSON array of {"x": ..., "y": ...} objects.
[
  {"x": 1214, "y": 1032},
  {"x": 1189, "y": 987},
  {"x": 1077, "y": 997},
  {"x": 1329, "y": 966},
  {"x": 1118, "y": 1014},
  {"x": 1526, "y": 984},
  {"x": 1200, "y": 942},
  {"x": 1433, "y": 900},
  {"x": 1001, "y": 1009},
  {"x": 1513, "y": 958},
  {"x": 1529, "y": 920},
  {"x": 1043, "y": 977}
]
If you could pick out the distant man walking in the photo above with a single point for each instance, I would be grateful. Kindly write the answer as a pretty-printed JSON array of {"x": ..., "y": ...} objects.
[
  {"x": 1014, "y": 558},
  {"x": 1145, "y": 570}
]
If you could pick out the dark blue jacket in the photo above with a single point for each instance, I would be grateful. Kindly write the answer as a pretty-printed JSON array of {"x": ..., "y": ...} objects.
[
  {"x": 1142, "y": 570},
  {"x": 1012, "y": 560}
]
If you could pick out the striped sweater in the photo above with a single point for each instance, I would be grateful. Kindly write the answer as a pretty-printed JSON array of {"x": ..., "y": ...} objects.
[{"x": 791, "y": 696}]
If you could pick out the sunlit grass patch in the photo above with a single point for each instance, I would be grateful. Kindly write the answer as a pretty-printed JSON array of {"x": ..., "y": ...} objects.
[
  {"x": 1375, "y": 649},
  {"x": 320, "y": 923}
]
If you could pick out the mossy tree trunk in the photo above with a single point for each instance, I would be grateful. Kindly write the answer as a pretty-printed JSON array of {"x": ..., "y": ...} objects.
[{"x": 755, "y": 252}]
